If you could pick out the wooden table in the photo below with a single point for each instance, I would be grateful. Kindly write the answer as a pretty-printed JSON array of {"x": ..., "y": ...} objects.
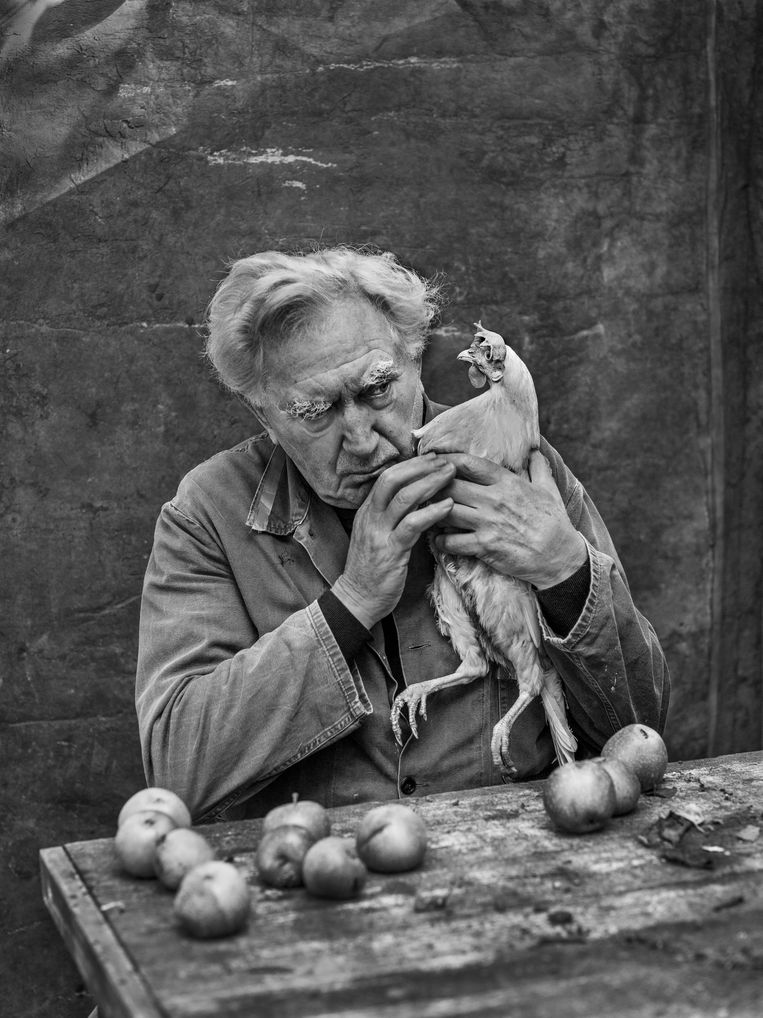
[{"x": 659, "y": 914}]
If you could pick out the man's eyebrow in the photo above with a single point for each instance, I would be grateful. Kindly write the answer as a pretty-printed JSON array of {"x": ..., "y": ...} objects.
[
  {"x": 383, "y": 371},
  {"x": 306, "y": 409}
]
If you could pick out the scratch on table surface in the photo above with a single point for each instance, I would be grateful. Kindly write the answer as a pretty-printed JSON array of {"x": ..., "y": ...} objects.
[{"x": 109, "y": 906}]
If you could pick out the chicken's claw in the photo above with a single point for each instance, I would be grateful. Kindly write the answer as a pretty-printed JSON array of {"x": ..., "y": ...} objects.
[
  {"x": 413, "y": 697},
  {"x": 499, "y": 746}
]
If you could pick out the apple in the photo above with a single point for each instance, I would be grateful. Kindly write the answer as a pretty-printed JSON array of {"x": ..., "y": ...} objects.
[
  {"x": 160, "y": 799},
  {"x": 391, "y": 838},
  {"x": 135, "y": 841},
  {"x": 331, "y": 868},
  {"x": 579, "y": 797},
  {"x": 642, "y": 749},
  {"x": 280, "y": 855},
  {"x": 626, "y": 783},
  {"x": 177, "y": 852},
  {"x": 213, "y": 900},
  {"x": 300, "y": 813}
]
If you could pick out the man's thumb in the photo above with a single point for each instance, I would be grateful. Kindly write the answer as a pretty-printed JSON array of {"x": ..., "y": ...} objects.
[{"x": 540, "y": 470}]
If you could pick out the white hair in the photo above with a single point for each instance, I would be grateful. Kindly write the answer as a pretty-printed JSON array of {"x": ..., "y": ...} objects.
[{"x": 271, "y": 296}]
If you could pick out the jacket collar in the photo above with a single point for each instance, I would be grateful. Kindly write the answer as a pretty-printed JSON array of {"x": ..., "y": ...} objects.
[{"x": 282, "y": 498}]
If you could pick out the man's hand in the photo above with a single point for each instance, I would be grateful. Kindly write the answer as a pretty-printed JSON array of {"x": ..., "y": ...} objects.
[
  {"x": 517, "y": 527},
  {"x": 385, "y": 529}
]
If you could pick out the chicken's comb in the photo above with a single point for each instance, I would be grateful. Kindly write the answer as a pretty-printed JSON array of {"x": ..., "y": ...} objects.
[{"x": 496, "y": 342}]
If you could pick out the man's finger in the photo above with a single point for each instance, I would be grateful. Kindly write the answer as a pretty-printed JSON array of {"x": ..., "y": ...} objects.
[
  {"x": 540, "y": 470},
  {"x": 412, "y": 526},
  {"x": 391, "y": 480},
  {"x": 412, "y": 495},
  {"x": 464, "y": 517},
  {"x": 473, "y": 468},
  {"x": 460, "y": 543}
]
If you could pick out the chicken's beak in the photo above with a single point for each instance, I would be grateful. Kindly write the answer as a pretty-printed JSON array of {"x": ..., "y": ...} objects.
[{"x": 474, "y": 359}]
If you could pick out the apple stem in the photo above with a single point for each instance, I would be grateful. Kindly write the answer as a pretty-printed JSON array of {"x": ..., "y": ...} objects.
[{"x": 294, "y": 797}]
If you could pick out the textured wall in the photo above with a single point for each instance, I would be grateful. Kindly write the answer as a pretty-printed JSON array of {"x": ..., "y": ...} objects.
[{"x": 551, "y": 158}]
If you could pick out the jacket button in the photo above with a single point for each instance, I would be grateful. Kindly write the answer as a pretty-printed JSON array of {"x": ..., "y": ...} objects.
[{"x": 408, "y": 786}]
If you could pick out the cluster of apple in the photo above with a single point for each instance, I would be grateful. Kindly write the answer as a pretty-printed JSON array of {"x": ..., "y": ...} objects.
[
  {"x": 297, "y": 848},
  {"x": 154, "y": 839},
  {"x": 580, "y": 797}
]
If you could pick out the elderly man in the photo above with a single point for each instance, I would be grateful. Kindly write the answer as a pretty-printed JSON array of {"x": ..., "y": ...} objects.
[{"x": 285, "y": 601}]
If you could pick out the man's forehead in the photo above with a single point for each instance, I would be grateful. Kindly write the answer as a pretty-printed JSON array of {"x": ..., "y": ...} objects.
[{"x": 368, "y": 369}]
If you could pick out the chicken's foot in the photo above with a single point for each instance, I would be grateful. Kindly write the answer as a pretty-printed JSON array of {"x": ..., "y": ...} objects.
[
  {"x": 499, "y": 743},
  {"x": 414, "y": 697}
]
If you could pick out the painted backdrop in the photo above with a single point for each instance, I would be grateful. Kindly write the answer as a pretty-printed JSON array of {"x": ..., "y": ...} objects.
[{"x": 589, "y": 167}]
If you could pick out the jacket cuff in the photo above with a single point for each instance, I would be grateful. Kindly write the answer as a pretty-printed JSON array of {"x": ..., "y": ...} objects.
[
  {"x": 349, "y": 634},
  {"x": 563, "y": 604},
  {"x": 582, "y": 624}
]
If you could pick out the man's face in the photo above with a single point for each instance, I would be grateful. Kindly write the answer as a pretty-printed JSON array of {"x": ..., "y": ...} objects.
[{"x": 342, "y": 401}]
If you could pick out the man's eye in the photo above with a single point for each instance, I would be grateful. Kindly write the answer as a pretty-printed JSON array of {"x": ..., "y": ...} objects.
[
  {"x": 316, "y": 419},
  {"x": 381, "y": 389},
  {"x": 314, "y": 415}
]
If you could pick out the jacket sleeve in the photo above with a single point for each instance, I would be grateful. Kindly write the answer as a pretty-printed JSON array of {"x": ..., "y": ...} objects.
[
  {"x": 203, "y": 669},
  {"x": 611, "y": 662}
]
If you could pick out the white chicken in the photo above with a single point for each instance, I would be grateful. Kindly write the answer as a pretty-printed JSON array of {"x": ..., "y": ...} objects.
[{"x": 490, "y": 617}]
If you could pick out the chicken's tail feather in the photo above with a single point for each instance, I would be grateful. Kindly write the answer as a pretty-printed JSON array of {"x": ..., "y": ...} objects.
[{"x": 552, "y": 697}]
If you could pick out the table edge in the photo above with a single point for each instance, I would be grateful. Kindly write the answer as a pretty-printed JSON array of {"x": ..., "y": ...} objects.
[{"x": 96, "y": 950}]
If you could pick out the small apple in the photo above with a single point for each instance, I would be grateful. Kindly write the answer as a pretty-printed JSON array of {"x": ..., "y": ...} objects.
[
  {"x": 300, "y": 813},
  {"x": 177, "y": 852},
  {"x": 626, "y": 783},
  {"x": 213, "y": 900},
  {"x": 135, "y": 841},
  {"x": 579, "y": 797},
  {"x": 280, "y": 855},
  {"x": 642, "y": 749},
  {"x": 391, "y": 838},
  {"x": 332, "y": 869},
  {"x": 160, "y": 799}
]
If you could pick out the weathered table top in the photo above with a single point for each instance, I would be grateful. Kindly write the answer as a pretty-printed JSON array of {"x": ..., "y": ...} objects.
[{"x": 659, "y": 914}]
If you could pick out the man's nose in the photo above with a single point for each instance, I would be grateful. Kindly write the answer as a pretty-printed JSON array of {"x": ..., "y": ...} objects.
[{"x": 359, "y": 436}]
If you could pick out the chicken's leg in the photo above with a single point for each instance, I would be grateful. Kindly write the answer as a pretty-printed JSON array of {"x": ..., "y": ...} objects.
[
  {"x": 454, "y": 622},
  {"x": 499, "y": 744},
  {"x": 534, "y": 681}
]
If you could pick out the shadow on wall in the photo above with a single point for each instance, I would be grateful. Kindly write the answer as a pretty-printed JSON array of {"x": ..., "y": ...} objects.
[{"x": 27, "y": 22}]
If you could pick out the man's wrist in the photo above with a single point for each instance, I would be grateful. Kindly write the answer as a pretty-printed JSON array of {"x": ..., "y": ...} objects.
[
  {"x": 566, "y": 564},
  {"x": 354, "y": 603},
  {"x": 348, "y": 632}
]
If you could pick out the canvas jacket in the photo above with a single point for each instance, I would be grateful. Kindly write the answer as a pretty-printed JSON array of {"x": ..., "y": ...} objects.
[{"x": 244, "y": 696}]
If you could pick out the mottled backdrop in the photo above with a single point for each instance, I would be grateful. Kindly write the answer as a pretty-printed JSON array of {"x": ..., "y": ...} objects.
[{"x": 588, "y": 167}]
